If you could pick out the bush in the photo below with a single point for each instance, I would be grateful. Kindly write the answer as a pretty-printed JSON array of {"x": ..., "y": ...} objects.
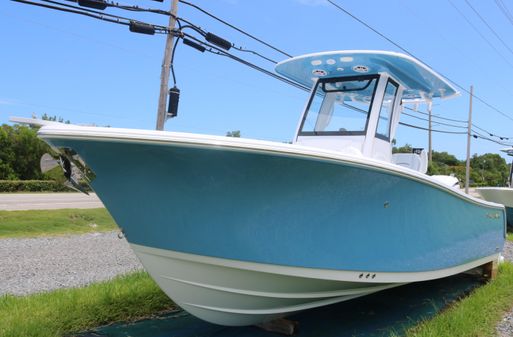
[{"x": 32, "y": 186}]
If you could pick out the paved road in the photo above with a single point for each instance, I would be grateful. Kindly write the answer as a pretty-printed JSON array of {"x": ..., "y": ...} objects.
[{"x": 24, "y": 201}]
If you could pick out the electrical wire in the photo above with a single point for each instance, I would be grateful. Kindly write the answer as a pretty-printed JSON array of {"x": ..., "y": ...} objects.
[
  {"x": 255, "y": 53},
  {"x": 93, "y": 14},
  {"x": 133, "y": 8},
  {"x": 489, "y": 26},
  {"x": 99, "y": 17},
  {"x": 440, "y": 123},
  {"x": 479, "y": 33},
  {"x": 452, "y": 125},
  {"x": 219, "y": 51},
  {"x": 435, "y": 116},
  {"x": 85, "y": 9},
  {"x": 126, "y": 21},
  {"x": 478, "y": 135},
  {"x": 167, "y": 13},
  {"x": 491, "y": 134},
  {"x": 432, "y": 130},
  {"x": 409, "y": 53},
  {"x": 171, "y": 66},
  {"x": 504, "y": 10},
  {"x": 235, "y": 28},
  {"x": 140, "y": 9}
]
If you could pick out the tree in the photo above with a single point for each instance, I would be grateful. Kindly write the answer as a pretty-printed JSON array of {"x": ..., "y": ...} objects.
[
  {"x": 235, "y": 133},
  {"x": 489, "y": 169},
  {"x": 7, "y": 154},
  {"x": 54, "y": 118},
  {"x": 406, "y": 148},
  {"x": 20, "y": 153}
]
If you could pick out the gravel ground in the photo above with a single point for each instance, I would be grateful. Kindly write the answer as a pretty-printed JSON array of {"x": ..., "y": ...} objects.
[
  {"x": 505, "y": 327},
  {"x": 42, "y": 264}
]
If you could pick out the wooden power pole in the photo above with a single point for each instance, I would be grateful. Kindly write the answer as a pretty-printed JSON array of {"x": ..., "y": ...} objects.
[
  {"x": 164, "y": 75},
  {"x": 469, "y": 136}
]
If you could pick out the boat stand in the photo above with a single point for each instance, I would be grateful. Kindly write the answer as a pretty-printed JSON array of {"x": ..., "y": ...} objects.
[
  {"x": 490, "y": 270},
  {"x": 281, "y": 325}
]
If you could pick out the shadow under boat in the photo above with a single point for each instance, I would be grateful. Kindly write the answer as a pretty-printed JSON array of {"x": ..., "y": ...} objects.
[{"x": 391, "y": 311}]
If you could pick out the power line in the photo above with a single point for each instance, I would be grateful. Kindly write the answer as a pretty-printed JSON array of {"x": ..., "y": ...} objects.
[
  {"x": 128, "y": 22},
  {"x": 435, "y": 116},
  {"x": 216, "y": 50},
  {"x": 93, "y": 14},
  {"x": 433, "y": 130},
  {"x": 479, "y": 33},
  {"x": 440, "y": 123},
  {"x": 409, "y": 53},
  {"x": 478, "y": 135},
  {"x": 132, "y": 8},
  {"x": 371, "y": 28},
  {"x": 475, "y": 134},
  {"x": 489, "y": 27},
  {"x": 491, "y": 134},
  {"x": 452, "y": 125},
  {"x": 504, "y": 10},
  {"x": 84, "y": 9},
  {"x": 235, "y": 28}
]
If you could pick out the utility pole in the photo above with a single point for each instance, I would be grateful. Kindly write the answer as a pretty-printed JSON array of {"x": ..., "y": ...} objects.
[
  {"x": 430, "y": 149},
  {"x": 467, "y": 170},
  {"x": 164, "y": 75}
]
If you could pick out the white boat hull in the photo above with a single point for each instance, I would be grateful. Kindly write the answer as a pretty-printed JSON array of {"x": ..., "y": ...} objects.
[
  {"x": 499, "y": 195},
  {"x": 237, "y": 293}
]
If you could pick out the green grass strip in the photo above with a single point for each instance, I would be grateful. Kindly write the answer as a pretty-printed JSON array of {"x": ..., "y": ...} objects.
[
  {"x": 475, "y": 315},
  {"x": 509, "y": 237},
  {"x": 61, "y": 312},
  {"x": 15, "y": 224}
]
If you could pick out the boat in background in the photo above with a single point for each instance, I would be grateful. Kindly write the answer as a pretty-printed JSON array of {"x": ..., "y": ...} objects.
[
  {"x": 501, "y": 195},
  {"x": 241, "y": 231}
]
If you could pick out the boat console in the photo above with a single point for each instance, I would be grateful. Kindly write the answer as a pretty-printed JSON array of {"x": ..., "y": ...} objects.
[
  {"x": 356, "y": 96},
  {"x": 353, "y": 115}
]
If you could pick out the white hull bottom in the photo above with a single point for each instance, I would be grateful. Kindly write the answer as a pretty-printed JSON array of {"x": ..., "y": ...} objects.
[{"x": 236, "y": 293}]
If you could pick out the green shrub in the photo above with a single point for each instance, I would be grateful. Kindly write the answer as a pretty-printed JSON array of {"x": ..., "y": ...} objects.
[{"x": 32, "y": 186}]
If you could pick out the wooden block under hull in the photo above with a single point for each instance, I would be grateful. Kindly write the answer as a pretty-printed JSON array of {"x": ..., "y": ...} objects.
[
  {"x": 490, "y": 270},
  {"x": 281, "y": 325}
]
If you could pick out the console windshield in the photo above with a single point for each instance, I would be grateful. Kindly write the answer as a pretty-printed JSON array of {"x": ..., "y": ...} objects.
[{"x": 340, "y": 106}]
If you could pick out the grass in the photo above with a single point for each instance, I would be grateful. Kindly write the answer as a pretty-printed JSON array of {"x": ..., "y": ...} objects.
[
  {"x": 476, "y": 315},
  {"x": 15, "y": 224},
  {"x": 509, "y": 237},
  {"x": 66, "y": 311}
]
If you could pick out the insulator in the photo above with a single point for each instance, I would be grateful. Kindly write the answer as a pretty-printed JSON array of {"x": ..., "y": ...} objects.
[
  {"x": 96, "y": 4},
  {"x": 218, "y": 41},
  {"x": 174, "y": 97},
  {"x": 194, "y": 45},
  {"x": 141, "y": 27}
]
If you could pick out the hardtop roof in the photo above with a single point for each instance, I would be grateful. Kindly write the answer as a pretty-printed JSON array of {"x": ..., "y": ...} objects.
[{"x": 420, "y": 81}]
